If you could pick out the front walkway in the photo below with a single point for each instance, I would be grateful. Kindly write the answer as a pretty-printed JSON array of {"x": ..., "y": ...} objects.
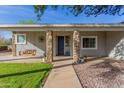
[{"x": 62, "y": 76}]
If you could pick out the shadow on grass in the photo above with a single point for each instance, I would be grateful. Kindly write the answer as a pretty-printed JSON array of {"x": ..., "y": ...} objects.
[{"x": 23, "y": 73}]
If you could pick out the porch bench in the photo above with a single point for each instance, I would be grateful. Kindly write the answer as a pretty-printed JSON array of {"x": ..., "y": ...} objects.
[{"x": 28, "y": 52}]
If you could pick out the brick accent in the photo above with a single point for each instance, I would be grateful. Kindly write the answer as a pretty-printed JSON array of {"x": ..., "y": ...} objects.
[
  {"x": 13, "y": 44},
  {"x": 76, "y": 46},
  {"x": 49, "y": 46}
]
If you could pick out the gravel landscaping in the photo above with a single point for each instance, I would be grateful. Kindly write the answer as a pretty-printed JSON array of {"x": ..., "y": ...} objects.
[{"x": 101, "y": 73}]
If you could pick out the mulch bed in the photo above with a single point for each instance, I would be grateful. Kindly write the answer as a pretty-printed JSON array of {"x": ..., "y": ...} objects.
[{"x": 97, "y": 74}]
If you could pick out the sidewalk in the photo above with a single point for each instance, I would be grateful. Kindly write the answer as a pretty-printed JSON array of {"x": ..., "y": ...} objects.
[
  {"x": 62, "y": 76},
  {"x": 19, "y": 59}
]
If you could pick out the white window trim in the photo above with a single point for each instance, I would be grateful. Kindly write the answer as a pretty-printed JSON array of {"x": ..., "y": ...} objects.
[
  {"x": 89, "y": 37},
  {"x": 16, "y": 38}
]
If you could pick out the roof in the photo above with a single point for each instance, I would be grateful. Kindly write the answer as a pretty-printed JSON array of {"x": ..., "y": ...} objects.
[{"x": 61, "y": 27}]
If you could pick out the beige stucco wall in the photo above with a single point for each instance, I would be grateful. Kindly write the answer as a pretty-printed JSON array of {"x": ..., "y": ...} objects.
[
  {"x": 109, "y": 43},
  {"x": 33, "y": 42},
  {"x": 115, "y": 44},
  {"x": 101, "y": 41},
  {"x": 101, "y": 44}
]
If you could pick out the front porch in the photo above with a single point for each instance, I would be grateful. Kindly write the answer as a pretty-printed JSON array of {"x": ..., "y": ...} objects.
[
  {"x": 52, "y": 44},
  {"x": 69, "y": 47},
  {"x": 52, "y": 40},
  {"x": 71, "y": 43}
]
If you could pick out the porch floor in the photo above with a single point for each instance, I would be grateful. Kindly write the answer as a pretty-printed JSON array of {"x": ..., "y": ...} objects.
[{"x": 61, "y": 58}]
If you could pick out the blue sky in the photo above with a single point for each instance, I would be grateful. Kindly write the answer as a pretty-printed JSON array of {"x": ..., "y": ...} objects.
[{"x": 13, "y": 14}]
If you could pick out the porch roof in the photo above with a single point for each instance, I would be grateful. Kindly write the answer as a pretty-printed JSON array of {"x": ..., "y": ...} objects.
[{"x": 62, "y": 27}]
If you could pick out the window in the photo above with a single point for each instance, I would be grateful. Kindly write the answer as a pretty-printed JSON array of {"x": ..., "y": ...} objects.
[
  {"x": 89, "y": 42},
  {"x": 21, "y": 39}
]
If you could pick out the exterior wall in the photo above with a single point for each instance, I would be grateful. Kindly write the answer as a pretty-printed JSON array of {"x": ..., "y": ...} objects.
[
  {"x": 109, "y": 43},
  {"x": 115, "y": 45},
  {"x": 62, "y": 33},
  {"x": 33, "y": 42},
  {"x": 101, "y": 44}
]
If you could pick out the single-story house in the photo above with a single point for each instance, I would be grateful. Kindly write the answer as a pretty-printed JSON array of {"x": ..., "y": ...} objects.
[{"x": 76, "y": 40}]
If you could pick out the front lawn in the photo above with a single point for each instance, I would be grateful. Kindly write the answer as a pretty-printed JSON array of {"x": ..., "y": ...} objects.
[{"x": 23, "y": 75}]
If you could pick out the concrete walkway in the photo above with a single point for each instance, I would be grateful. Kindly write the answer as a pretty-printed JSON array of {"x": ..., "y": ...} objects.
[
  {"x": 62, "y": 76},
  {"x": 19, "y": 59}
]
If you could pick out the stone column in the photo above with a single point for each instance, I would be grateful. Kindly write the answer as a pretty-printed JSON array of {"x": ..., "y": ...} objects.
[
  {"x": 76, "y": 46},
  {"x": 49, "y": 46},
  {"x": 13, "y": 44}
]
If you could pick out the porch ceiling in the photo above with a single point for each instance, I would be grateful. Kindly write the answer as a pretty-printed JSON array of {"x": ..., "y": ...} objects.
[{"x": 63, "y": 27}]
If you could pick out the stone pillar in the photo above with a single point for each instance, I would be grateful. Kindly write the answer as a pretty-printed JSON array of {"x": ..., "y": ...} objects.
[
  {"x": 76, "y": 46},
  {"x": 49, "y": 46},
  {"x": 13, "y": 44}
]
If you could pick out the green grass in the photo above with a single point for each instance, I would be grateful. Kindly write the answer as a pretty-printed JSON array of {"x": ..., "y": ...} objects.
[{"x": 22, "y": 75}]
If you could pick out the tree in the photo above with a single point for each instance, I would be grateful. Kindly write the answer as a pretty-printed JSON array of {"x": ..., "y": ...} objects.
[
  {"x": 8, "y": 41},
  {"x": 88, "y": 10},
  {"x": 1, "y": 40},
  {"x": 26, "y": 22},
  {"x": 4, "y": 41}
]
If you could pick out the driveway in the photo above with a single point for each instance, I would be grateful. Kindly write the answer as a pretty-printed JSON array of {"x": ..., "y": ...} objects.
[{"x": 101, "y": 73}]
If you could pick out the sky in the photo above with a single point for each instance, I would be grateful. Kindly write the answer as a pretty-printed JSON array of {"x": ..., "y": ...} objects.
[{"x": 14, "y": 14}]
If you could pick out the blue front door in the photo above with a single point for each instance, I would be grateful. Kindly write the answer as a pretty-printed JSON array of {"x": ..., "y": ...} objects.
[{"x": 60, "y": 45}]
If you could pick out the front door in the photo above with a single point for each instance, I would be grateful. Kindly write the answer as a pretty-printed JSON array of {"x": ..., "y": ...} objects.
[{"x": 60, "y": 45}]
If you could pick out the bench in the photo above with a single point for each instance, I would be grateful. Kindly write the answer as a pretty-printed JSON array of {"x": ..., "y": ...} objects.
[{"x": 28, "y": 52}]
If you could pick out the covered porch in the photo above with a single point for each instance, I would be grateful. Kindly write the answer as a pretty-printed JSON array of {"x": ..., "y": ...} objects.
[
  {"x": 55, "y": 45},
  {"x": 59, "y": 40},
  {"x": 66, "y": 40}
]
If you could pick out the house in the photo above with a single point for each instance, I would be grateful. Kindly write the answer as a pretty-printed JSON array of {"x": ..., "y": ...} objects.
[{"x": 76, "y": 40}]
